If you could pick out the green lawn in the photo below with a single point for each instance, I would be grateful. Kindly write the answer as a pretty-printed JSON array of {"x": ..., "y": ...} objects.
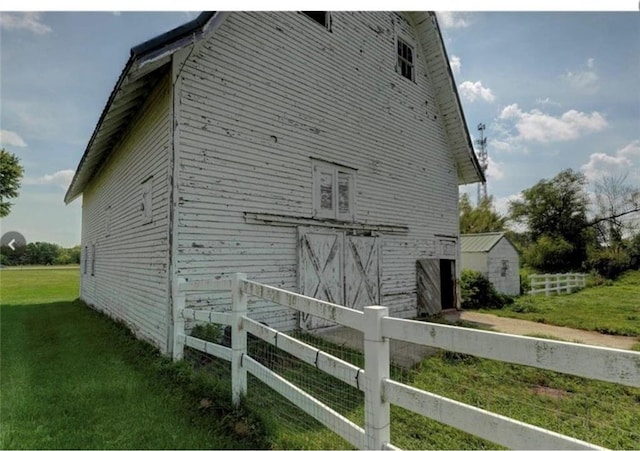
[
  {"x": 598, "y": 412},
  {"x": 72, "y": 378},
  {"x": 613, "y": 309}
]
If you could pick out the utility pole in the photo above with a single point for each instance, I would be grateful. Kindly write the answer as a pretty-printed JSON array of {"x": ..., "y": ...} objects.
[{"x": 483, "y": 158}]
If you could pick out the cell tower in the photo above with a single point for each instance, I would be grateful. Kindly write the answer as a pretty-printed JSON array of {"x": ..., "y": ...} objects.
[{"x": 483, "y": 158}]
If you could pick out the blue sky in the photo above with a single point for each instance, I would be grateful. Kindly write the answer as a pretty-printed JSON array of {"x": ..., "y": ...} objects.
[{"x": 555, "y": 90}]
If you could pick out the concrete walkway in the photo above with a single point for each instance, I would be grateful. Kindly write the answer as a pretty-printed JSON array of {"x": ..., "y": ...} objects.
[
  {"x": 522, "y": 327},
  {"x": 408, "y": 354}
]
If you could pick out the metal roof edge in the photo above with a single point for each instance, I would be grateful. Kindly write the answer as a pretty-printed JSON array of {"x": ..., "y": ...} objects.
[
  {"x": 454, "y": 88},
  {"x": 135, "y": 54},
  {"x": 172, "y": 35}
]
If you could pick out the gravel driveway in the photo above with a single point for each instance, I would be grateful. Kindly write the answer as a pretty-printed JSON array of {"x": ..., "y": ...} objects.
[{"x": 522, "y": 327}]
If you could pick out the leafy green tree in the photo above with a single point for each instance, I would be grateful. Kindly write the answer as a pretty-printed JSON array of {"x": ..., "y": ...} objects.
[
  {"x": 41, "y": 253},
  {"x": 10, "y": 176},
  {"x": 554, "y": 213},
  {"x": 480, "y": 219}
]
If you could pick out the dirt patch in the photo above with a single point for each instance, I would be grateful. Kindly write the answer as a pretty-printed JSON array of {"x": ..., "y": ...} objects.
[{"x": 549, "y": 392}]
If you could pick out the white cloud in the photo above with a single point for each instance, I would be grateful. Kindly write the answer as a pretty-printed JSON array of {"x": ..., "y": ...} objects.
[
  {"x": 455, "y": 64},
  {"x": 495, "y": 170},
  {"x": 502, "y": 203},
  {"x": 547, "y": 101},
  {"x": 625, "y": 160},
  {"x": 630, "y": 150},
  {"x": 538, "y": 126},
  {"x": 61, "y": 178},
  {"x": 29, "y": 21},
  {"x": 584, "y": 80},
  {"x": 475, "y": 90},
  {"x": 9, "y": 138},
  {"x": 453, "y": 19}
]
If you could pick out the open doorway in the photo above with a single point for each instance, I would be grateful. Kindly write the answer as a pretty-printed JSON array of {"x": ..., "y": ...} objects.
[
  {"x": 447, "y": 284},
  {"x": 436, "y": 285}
]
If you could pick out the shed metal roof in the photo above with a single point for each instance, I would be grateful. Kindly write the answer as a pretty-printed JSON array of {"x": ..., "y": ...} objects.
[{"x": 479, "y": 242}]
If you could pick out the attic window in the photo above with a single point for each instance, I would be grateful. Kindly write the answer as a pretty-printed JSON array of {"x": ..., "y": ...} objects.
[
  {"x": 333, "y": 191},
  {"x": 321, "y": 17},
  {"x": 405, "y": 60}
]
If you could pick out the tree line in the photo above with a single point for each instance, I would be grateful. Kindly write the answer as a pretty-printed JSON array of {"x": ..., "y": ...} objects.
[
  {"x": 40, "y": 253},
  {"x": 558, "y": 226}
]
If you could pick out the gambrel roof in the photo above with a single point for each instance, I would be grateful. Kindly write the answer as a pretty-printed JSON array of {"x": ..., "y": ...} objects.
[{"x": 149, "y": 61}]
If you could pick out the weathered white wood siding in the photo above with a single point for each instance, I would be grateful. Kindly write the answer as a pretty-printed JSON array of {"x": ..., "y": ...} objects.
[
  {"x": 270, "y": 91},
  {"x": 131, "y": 256},
  {"x": 510, "y": 282}
]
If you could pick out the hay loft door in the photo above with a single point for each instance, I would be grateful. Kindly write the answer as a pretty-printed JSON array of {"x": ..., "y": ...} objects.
[{"x": 337, "y": 268}]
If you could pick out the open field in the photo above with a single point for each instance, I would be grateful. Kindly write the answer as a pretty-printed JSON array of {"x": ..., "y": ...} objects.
[
  {"x": 72, "y": 378},
  {"x": 613, "y": 309}
]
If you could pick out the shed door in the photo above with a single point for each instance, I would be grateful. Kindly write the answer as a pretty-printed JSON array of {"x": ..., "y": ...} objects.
[
  {"x": 320, "y": 269},
  {"x": 361, "y": 271}
]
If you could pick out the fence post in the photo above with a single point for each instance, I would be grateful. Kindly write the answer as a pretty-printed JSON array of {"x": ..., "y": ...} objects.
[
  {"x": 238, "y": 340},
  {"x": 377, "y": 417},
  {"x": 179, "y": 300}
]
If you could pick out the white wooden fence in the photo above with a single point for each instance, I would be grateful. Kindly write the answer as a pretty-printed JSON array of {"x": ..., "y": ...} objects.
[
  {"x": 618, "y": 366},
  {"x": 556, "y": 283}
]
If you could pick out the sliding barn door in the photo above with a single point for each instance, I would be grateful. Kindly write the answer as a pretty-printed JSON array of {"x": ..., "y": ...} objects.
[
  {"x": 338, "y": 268},
  {"x": 361, "y": 271},
  {"x": 320, "y": 269}
]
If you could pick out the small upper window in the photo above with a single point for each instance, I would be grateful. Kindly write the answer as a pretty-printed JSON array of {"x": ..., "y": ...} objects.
[
  {"x": 405, "y": 60},
  {"x": 321, "y": 17},
  {"x": 334, "y": 191},
  {"x": 505, "y": 268}
]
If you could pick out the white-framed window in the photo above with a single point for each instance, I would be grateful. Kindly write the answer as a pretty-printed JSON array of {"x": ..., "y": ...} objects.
[
  {"x": 146, "y": 205},
  {"x": 321, "y": 17},
  {"x": 333, "y": 191},
  {"x": 405, "y": 65}
]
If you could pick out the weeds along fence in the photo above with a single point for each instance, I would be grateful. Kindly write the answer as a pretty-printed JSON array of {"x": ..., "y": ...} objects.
[
  {"x": 368, "y": 385},
  {"x": 556, "y": 283}
]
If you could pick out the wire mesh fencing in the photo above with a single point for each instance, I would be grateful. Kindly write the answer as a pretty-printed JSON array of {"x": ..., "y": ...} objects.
[{"x": 598, "y": 412}]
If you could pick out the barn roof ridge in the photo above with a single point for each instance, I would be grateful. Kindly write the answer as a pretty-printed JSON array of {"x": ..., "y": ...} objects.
[{"x": 142, "y": 71}]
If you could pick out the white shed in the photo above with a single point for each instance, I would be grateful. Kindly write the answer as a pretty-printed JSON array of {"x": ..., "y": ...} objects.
[
  {"x": 495, "y": 256},
  {"x": 316, "y": 152}
]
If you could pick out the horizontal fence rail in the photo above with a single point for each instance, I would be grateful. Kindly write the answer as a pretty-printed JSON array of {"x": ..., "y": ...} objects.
[
  {"x": 556, "y": 283},
  {"x": 490, "y": 426},
  {"x": 593, "y": 362},
  {"x": 610, "y": 365},
  {"x": 333, "y": 366},
  {"x": 341, "y": 315},
  {"x": 339, "y": 424}
]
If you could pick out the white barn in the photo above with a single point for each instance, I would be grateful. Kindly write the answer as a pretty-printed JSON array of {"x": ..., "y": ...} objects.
[
  {"x": 317, "y": 152},
  {"x": 495, "y": 256}
]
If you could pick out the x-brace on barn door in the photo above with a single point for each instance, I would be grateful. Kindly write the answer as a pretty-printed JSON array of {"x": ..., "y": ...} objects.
[{"x": 338, "y": 267}]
